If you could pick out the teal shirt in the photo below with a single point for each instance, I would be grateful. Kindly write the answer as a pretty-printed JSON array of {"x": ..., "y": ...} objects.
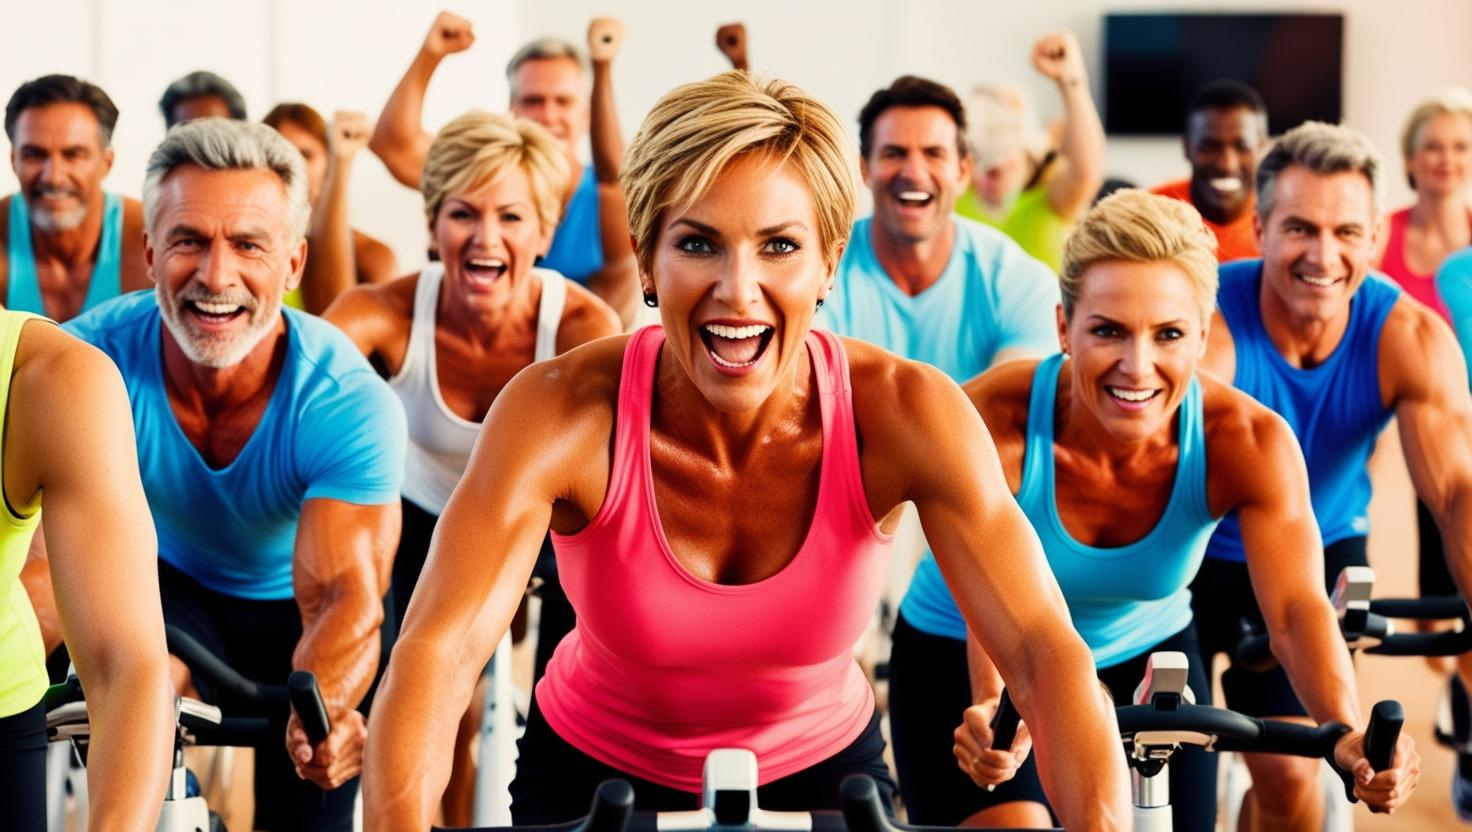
[
  {"x": 23, "y": 288},
  {"x": 1454, "y": 285}
]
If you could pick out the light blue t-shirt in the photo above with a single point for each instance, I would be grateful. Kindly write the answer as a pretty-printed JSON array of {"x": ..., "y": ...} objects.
[
  {"x": 992, "y": 296},
  {"x": 332, "y": 429},
  {"x": 1454, "y": 285},
  {"x": 577, "y": 244}
]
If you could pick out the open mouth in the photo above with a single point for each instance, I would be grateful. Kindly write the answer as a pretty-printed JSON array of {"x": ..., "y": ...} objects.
[
  {"x": 1318, "y": 281},
  {"x": 1131, "y": 398},
  {"x": 736, "y": 347},
  {"x": 215, "y": 312},
  {"x": 914, "y": 199},
  {"x": 485, "y": 269},
  {"x": 1226, "y": 185}
]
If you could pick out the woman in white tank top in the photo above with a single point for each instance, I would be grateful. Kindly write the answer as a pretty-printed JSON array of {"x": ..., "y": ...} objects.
[{"x": 451, "y": 336}]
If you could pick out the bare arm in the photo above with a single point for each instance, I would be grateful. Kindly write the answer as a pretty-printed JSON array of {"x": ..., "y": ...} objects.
[
  {"x": 987, "y": 550},
  {"x": 1073, "y": 187},
  {"x": 616, "y": 282},
  {"x": 399, "y": 138},
  {"x": 103, "y": 559},
  {"x": 330, "y": 269},
  {"x": 474, "y": 577},
  {"x": 35, "y": 576}
]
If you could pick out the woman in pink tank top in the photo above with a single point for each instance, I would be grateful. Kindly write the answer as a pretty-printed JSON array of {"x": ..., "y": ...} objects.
[{"x": 721, "y": 490}]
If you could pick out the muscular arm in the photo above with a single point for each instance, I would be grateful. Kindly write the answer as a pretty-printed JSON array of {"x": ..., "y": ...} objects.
[
  {"x": 988, "y": 552},
  {"x": 616, "y": 282},
  {"x": 343, "y": 556},
  {"x": 35, "y": 576},
  {"x": 1082, "y": 146},
  {"x": 474, "y": 577},
  {"x": 331, "y": 268},
  {"x": 103, "y": 557},
  {"x": 399, "y": 138}
]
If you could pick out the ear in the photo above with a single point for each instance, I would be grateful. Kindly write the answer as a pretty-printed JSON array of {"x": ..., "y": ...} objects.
[
  {"x": 864, "y": 170},
  {"x": 827, "y": 287},
  {"x": 148, "y": 257},
  {"x": 968, "y": 170},
  {"x": 298, "y": 265},
  {"x": 108, "y": 157},
  {"x": 1062, "y": 321},
  {"x": 1257, "y": 227}
]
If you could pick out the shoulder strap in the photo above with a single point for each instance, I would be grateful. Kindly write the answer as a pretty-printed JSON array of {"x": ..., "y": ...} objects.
[
  {"x": 22, "y": 290},
  {"x": 549, "y": 313}
]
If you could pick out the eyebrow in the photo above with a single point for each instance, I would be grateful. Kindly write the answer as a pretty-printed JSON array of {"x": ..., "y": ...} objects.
[
  {"x": 761, "y": 232},
  {"x": 248, "y": 234},
  {"x": 1178, "y": 322}
]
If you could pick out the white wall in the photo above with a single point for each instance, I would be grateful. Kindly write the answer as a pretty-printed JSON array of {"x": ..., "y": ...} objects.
[{"x": 340, "y": 54}]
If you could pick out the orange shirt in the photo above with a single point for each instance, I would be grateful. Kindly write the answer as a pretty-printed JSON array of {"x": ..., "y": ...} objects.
[{"x": 1234, "y": 240}]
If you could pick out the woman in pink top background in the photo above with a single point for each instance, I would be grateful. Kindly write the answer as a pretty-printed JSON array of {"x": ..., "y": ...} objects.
[{"x": 720, "y": 528}]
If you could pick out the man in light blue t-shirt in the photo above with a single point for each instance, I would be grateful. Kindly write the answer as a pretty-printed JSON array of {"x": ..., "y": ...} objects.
[
  {"x": 271, "y": 453},
  {"x": 929, "y": 285}
]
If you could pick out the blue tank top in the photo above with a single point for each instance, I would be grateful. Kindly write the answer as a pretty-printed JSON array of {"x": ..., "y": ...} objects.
[
  {"x": 23, "y": 289},
  {"x": 1335, "y": 409},
  {"x": 577, "y": 245},
  {"x": 1123, "y": 600}
]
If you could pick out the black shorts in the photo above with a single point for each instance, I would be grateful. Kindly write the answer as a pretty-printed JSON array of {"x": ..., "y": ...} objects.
[
  {"x": 1433, "y": 577},
  {"x": 1221, "y": 598},
  {"x": 555, "y": 781},
  {"x": 23, "y": 769},
  {"x": 930, "y": 688},
  {"x": 257, "y": 638}
]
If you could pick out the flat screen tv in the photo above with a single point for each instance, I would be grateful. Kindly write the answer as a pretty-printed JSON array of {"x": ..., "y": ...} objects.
[{"x": 1154, "y": 62}]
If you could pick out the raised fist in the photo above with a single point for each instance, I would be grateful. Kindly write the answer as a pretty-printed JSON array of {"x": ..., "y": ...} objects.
[
  {"x": 731, "y": 40},
  {"x": 350, "y": 132},
  {"x": 605, "y": 36},
  {"x": 1058, "y": 58},
  {"x": 450, "y": 33}
]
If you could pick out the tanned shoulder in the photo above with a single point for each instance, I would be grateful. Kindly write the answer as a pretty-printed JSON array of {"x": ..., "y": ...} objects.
[
  {"x": 1419, "y": 356},
  {"x": 585, "y": 317},
  {"x": 1245, "y": 440},
  {"x": 1003, "y": 394}
]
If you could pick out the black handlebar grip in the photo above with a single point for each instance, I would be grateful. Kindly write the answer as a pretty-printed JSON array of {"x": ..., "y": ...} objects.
[
  {"x": 306, "y": 699},
  {"x": 1381, "y": 735},
  {"x": 862, "y": 809},
  {"x": 613, "y": 805},
  {"x": 1004, "y": 723}
]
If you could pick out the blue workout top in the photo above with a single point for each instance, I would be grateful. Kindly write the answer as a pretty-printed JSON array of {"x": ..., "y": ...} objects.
[
  {"x": 577, "y": 245},
  {"x": 332, "y": 429},
  {"x": 1123, "y": 600},
  {"x": 1454, "y": 285},
  {"x": 1335, "y": 409},
  {"x": 991, "y": 296},
  {"x": 23, "y": 289}
]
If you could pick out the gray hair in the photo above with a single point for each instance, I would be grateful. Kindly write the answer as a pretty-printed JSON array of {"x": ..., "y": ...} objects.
[
  {"x": 544, "y": 49},
  {"x": 227, "y": 144},
  {"x": 1322, "y": 149}
]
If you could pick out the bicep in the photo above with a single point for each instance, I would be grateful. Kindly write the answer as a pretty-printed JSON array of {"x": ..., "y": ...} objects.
[
  {"x": 344, "y": 546},
  {"x": 1279, "y": 531}
]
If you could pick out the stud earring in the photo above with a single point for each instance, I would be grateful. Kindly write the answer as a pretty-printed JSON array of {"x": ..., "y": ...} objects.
[{"x": 651, "y": 300}]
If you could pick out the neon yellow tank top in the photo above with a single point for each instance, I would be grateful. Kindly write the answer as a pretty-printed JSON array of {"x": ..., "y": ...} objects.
[{"x": 22, "y": 655}]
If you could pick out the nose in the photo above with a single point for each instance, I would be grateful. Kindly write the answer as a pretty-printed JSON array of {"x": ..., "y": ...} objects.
[
  {"x": 738, "y": 287},
  {"x": 913, "y": 168},
  {"x": 1138, "y": 359},
  {"x": 215, "y": 268},
  {"x": 51, "y": 171}
]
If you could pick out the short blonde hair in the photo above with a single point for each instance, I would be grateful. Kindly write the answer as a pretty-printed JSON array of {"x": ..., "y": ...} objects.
[
  {"x": 478, "y": 148},
  {"x": 1453, "y": 101},
  {"x": 697, "y": 129},
  {"x": 1131, "y": 224}
]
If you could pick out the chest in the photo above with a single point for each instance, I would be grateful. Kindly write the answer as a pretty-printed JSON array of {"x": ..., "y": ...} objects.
[
  {"x": 470, "y": 377},
  {"x": 1425, "y": 249},
  {"x": 63, "y": 287},
  {"x": 220, "y": 436},
  {"x": 738, "y": 523},
  {"x": 1108, "y": 507}
]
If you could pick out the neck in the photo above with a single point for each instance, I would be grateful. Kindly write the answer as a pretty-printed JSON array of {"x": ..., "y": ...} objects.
[
  {"x": 1078, "y": 429},
  {"x": 214, "y": 390},
  {"x": 75, "y": 246},
  {"x": 1447, "y": 214},
  {"x": 913, "y": 266},
  {"x": 488, "y": 327},
  {"x": 1305, "y": 342},
  {"x": 684, "y": 415}
]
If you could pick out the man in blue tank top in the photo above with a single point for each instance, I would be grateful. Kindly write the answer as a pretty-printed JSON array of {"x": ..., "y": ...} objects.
[
  {"x": 1337, "y": 351},
  {"x": 548, "y": 79},
  {"x": 69, "y": 246},
  {"x": 271, "y": 452},
  {"x": 932, "y": 286}
]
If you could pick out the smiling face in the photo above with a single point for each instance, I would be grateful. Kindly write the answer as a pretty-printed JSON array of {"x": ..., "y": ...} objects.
[
  {"x": 738, "y": 274},
  {"x": 1318, "y": 243},
  {"x": 552, "y": 93},
  {"x": 1442, "y": 163},
  {"x": 58, "y": 156},
  {"x": 221, "y": 254},
  {"x": 1223, "y": 146},
  {"x": 489, "y": 238},
  {"x": 915, "y": 171},
  {"x": 1135, "y": 337}
]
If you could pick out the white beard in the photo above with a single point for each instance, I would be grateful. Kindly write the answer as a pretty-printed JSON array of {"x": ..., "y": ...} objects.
[
  {"x": 54, "y": 222},
  {"x": 217, "y": 352}
]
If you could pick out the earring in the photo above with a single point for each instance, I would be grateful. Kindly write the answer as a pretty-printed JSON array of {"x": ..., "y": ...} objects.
[
  {"x": 651, "y": 300},
  {"x": 820, "y": 303}
]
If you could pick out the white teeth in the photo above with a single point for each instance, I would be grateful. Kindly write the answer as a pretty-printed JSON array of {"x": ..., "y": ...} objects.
[
  {"x": 215, "y": 308},
  {"x": 1131, "y": 395},
  {"x": 1315, "y": 280},
  {"x": 724, "y": 363},
  {"x": 488, "y": 264},
  {"x": 736, "y": 333},
  {"x": 1226, "y": 183},
  {"x": 913, "y": 196}
]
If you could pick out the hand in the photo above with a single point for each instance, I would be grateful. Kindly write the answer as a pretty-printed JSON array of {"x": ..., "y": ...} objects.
[
  {"x": 1382, "y": 791},
  {"x": 1059, "y": 59},
  {"x": 350, "y": 132},
  {"x": 975, "y": 755},
  {"x": 731, "y": 40},
  {"x": 450, "y": 33},
  {"x": 605, "y": 36},
  {"x": 333, "y": 761}
]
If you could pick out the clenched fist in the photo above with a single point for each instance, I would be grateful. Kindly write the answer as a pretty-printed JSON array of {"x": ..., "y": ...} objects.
[
  {"x": 1057, "y": 57},
  {"x": 605, "y": 36},
  {"x": 731, "y": 40},
  {"x": 450, "y": 33},
  {"x": 350, "y": 132}
]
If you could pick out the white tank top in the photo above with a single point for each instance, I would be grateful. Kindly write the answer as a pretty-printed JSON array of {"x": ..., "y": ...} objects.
[{"x": 440, "y": 441}]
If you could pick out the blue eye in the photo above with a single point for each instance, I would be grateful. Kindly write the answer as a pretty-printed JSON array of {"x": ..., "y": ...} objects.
[
  {"x": 1171, "y": 334},
  {"x": 695, "y": 244},
  {"x": 782, "y": 245}
]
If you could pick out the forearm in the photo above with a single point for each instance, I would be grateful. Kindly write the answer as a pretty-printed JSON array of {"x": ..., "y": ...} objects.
[
  {"x": 130, "y": 708},
  {"x": 400, "y": 125},
  {"x": 986, "y": 682},
  {"x": 1454, "y": 520},
  {"x": 1308, "y": 644},
  {"x": 1083, "y": 134},
  {"x": 1075, "y": 734},
  {"x": 340, "y": 645},
  {"x": 330, "y": 270},
  {"x": 604, "y": 135}
]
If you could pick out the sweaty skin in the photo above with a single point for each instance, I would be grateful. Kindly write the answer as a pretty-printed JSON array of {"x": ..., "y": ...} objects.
[
  {"x": 101, "y": 588},
  {"x": 1323, "y": 227},
  {"x": 1138, "y": 326},
  {"x": 59, "y": 146}
]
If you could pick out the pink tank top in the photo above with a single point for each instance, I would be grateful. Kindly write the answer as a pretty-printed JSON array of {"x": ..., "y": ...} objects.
[
  {"x": 663, "y": 667},
  {"x": 1422, "y": 287}
]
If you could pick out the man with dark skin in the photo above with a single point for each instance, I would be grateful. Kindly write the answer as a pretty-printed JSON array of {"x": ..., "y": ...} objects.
[
  {"x": 548, "y": 86},
  {"x": 1226, "y": 132},
  {"x": 70, "y": 245}
]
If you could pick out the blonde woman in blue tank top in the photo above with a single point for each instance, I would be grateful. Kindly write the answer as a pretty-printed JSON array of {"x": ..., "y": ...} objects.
[{"x": 1124, "y": 458}]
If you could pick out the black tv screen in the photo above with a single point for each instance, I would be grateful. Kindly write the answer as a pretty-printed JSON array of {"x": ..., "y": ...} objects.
[{"x": 1154, "y": 62}]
